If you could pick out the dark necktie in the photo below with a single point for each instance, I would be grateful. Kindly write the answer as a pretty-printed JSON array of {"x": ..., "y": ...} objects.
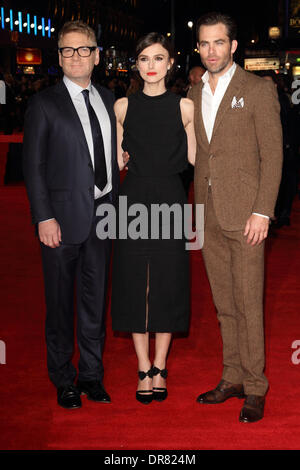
[{"x": 99, "y": 154}]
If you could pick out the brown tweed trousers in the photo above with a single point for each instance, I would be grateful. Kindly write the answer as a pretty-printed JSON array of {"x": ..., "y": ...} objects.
[{"x": 243, "y": 162}]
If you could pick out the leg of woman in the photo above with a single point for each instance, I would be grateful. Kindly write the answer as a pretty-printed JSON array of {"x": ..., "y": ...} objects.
[
  {"x": 162, "y": 344},
  {"x": 141, "y": 344}
]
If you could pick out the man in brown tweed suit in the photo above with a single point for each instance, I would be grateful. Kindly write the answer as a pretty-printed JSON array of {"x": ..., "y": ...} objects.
[{"x": 237, "y": 176}]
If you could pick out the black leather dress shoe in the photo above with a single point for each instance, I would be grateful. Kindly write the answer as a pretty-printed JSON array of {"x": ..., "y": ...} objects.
[
  {"x": 221, "y": 393},
  {"x": 94, "y": 391},
  {"x": 253, "y": 409},
  {"x": 68, "y": 397}
]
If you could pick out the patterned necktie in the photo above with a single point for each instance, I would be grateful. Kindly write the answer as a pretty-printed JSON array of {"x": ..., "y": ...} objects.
[{"x": 99, "y": 154}]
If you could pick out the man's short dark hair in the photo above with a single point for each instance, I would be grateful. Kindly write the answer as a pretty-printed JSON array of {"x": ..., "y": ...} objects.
[
  {"x": 77, "y": 27},
  {"x": 214, "y": 17}
]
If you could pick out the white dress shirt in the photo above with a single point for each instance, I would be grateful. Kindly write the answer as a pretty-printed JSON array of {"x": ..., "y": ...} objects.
[
  {"x": 211, "y": 102},
  {"x": 104, "y": 121},
  {"x": 77, "y": 97}
]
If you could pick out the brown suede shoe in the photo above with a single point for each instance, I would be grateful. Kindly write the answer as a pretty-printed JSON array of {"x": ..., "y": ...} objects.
[
  {"x": 221, "y": 393},
  {"x": 253, "y": 409}
]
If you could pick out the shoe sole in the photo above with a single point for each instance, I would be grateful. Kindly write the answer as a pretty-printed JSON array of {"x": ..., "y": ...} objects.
[
  {"x": 69, "y": 407},
  {"x": 240, "y": 397},
  {"x": 92, "y": 399},
  {"x": 246, "y": 421},
  {"x": 144, "y": 402},
  {"x": 243, "y": 419},
  {"x": 157, "y": 398}
]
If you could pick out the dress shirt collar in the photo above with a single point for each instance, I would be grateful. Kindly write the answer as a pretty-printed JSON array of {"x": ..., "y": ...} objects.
[
  {"x": 226, "y": 76},
  {"x": 75, "y": 89}
]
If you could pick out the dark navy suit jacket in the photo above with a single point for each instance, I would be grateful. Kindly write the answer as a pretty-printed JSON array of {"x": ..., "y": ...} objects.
[{"x": 58, "y": 171}]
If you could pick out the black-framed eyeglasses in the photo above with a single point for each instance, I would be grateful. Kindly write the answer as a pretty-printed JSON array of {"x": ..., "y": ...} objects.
[{"x": 82, "y": 51}]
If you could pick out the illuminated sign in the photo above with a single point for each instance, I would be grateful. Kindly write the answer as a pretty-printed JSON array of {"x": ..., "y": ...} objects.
[
  {"x": 11, "y": 20},
  {"x": 296, "y": 71},
  {"x": 261, "y": 63},
  {"x": 28, "y": 70},
  {"x": 29, "y": 56},
  {"x": 274, "y": 32},
  {"x": 294, "y": 18}
]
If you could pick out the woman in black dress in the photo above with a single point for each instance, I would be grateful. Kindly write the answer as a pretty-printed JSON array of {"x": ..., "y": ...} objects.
[{"x": 150, "y": 282}]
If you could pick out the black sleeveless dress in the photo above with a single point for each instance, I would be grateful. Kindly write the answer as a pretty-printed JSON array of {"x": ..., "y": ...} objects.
[{"x": 156, "y": 141}]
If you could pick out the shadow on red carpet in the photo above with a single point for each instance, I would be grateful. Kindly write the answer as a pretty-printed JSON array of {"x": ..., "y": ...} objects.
[{"x": 30, "y": 417}]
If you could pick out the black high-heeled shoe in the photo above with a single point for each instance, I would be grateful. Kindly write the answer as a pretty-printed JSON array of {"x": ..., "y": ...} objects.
[
  {"x": 140, "y": 394},
  {"x": 160, "y": 393}
]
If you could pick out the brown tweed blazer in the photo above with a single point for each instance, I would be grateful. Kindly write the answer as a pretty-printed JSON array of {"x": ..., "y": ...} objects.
[{"x": 244, "y": 157}]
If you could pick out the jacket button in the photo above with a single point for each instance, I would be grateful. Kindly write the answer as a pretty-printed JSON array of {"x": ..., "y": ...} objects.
[{"x": 90, "y": 165}]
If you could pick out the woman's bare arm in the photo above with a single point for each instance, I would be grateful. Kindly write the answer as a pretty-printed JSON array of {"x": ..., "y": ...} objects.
[
  {"x": 187, "y": 114},
  {"x": 120, "y": 109}
]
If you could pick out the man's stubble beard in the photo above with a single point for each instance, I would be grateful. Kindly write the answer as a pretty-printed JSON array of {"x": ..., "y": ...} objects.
[{"x": 220, "y": 68}]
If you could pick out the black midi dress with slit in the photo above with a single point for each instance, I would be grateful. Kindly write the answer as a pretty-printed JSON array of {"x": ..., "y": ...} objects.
[{"x": 156, "y": 141}]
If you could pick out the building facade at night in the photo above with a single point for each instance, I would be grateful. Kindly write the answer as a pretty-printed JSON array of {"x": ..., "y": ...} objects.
[
  {"x": 274, "y": 42},
  {"x": 117, "y": 23},
  {"x": 268, "y": 33}
]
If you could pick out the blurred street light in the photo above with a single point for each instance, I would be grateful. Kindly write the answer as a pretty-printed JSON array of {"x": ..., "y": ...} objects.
[{"x": 190, "y": 52}]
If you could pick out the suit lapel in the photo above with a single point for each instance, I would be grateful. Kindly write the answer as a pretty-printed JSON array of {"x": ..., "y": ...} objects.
[
  {"x": 199, "y": 117},
  {"x": 233, "y": 89},
  {"x": 68, "y": 110},
  {"x": 106, "y": 101},
  {"x": 67, "y": 107}
]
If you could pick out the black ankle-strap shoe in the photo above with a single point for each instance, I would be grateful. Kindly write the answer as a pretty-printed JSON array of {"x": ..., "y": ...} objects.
[
  {"x": 160, "y": 393},
  {"x": 144, "y": 396}
]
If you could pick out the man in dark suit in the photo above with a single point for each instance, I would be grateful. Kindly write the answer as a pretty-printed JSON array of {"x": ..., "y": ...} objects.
[{"x": 70, "y": 169}]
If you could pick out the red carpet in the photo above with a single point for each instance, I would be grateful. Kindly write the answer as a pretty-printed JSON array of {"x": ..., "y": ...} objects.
[{"x": 30, "y": 417}]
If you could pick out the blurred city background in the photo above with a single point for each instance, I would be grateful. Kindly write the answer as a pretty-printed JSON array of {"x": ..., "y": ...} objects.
[
  {"x": 268, "y": 34},
  {"x": 269, "y": 45}
]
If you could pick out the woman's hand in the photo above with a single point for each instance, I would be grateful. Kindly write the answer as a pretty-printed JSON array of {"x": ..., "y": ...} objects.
[{"x": 126, "y": 157}]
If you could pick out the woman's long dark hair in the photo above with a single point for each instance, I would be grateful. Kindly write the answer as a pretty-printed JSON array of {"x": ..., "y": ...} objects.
[{"x": 156, "y": 38}]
